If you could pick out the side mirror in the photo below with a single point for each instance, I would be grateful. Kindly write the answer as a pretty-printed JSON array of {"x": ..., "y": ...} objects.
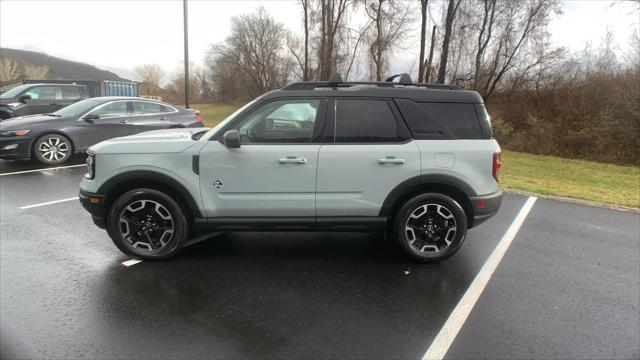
[
  {"x": 90, "y": 118},
  {"x": 23, "y": 98},
  {"x": 231, "y": 139}
]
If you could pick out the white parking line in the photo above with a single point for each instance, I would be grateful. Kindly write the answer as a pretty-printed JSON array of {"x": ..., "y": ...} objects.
[
  {"x": 43, "y": 169},
  {"x": 48, "y": 203},
  {"x": 452, "y": 326},
  {"x": 131, "y": 262}
]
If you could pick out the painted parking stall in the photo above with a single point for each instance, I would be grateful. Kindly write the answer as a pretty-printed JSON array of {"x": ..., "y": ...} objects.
[{"x": 295, "y": 295}]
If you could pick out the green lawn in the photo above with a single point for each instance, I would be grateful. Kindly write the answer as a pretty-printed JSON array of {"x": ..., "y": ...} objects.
[
  {"x": 214, "y": 113},
  {"x": 548, "y": 175},
  {"x": 579, "y": 179}
]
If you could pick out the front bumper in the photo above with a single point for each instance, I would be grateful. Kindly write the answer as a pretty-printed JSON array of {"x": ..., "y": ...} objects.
[
  {"x": 485, "y": 206},
  {"x": 95, "y": 205},
  {"x": 15, "y": 147}
]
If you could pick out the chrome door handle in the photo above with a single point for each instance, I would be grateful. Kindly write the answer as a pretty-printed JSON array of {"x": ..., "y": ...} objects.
[
  {"x": 292, "y": 160},
  {"x": 391, "y": 160}
]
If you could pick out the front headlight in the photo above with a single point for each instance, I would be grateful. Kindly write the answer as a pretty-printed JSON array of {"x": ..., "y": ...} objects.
[
  {"x": 15, "y": 133},
  {"x": 14, "y": 105},
  {"x": 91, "y": 166}
]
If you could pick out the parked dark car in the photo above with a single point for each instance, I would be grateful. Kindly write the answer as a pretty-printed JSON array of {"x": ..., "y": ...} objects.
[
  {"x": 32, "y": 99},
  {"x": 53, "y": 138}
]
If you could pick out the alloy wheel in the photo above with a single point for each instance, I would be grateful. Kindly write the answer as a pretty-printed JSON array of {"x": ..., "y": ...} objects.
[
  {"x": 54, "y": 149},
  {"x": 146, "y": 225},
  {"x": 430, "y": 228}
]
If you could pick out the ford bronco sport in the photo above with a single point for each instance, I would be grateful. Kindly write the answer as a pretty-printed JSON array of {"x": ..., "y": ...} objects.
[{"x": 415, "y": 160}]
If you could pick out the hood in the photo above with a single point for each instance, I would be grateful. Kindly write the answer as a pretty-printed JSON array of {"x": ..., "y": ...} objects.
[
  {"x": 5, "y": 101},
  {"x": 26, "y": 121},
  {"x": 149, "y": 142}
]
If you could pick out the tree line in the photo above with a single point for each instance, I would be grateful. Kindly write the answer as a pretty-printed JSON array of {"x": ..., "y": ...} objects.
[{"x": 542, "y": 99}]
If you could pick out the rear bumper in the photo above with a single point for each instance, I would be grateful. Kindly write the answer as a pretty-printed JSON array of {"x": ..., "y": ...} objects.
[
  {"x": 485, "y": 206},
  {"x": 94, "y": 204}
]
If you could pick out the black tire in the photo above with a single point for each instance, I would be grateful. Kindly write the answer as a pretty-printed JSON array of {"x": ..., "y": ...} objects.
[
  {"x": 53, "y": 149},
  {"x": 435, "y": 241},
  {"x": 125, "y": 235}
]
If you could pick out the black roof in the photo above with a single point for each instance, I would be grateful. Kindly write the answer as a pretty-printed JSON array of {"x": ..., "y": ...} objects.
[
  {"x": 403, "y": 88},
  {"x": 405, "y": 92}
]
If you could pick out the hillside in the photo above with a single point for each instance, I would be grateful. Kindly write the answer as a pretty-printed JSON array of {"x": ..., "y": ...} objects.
[{"x": 58, "y": 68}]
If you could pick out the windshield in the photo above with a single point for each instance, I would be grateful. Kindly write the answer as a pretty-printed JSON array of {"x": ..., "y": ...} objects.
[
  {"x": 222, "y": 123},
  {"x": 14, "y": 92},
  {"x": 76, "y": 109}
]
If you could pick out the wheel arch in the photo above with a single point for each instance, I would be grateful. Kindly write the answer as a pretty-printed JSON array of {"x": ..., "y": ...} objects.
[
  {"x": 121, "y": 183},
  {"x": 453, "y": 187}
]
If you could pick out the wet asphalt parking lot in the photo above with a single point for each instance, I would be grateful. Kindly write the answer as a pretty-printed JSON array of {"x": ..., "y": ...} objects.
[{"x": 568, "y": 286}]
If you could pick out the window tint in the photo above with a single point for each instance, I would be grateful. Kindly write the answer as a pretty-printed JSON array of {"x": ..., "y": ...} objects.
[
  {"x": 115, "y": 109},
  {"x": 143, "y": 107},
  {"x": 361, "y": 121},
  {"x": 283, "y": 121},
  {"x": 70, "y": 92},
  {"x": 42, "y": 93},
  {"x": 460, "y": 119}
]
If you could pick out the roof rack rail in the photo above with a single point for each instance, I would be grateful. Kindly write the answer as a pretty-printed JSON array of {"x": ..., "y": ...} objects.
[{"x": 335, "y": 82}]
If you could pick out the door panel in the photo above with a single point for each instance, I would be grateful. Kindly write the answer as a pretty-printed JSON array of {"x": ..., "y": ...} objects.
[
  {"x": 112, "y": 123},
  {"x": 258, "y": 180},
  {"x": 354, "y": 180},
  {"x": 367, "y": 153},
  {"x": 102, "y": 129}
]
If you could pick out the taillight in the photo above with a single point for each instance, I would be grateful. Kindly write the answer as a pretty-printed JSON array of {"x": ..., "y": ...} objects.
[
  {"x": 497, "y": 164},
  {"x": 198, "y": 117}
]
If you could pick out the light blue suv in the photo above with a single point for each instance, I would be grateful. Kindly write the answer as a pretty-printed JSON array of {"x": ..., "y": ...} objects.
[{"x": 415, "y": 160}]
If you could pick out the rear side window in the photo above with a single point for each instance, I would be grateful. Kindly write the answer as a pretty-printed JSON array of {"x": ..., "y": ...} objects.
[
  {"x": 460, "y": 119},
  {"x": 442, "y": 120},
  {"x": 364, "y": 121},
  {"x": 143, "y": 107},
  {"x": 70, "y": 92}
]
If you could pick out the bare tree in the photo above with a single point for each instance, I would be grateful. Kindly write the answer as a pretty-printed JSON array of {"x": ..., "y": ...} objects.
[
  {"x": 306, "y": 11},
  {"x": 255, "y": 53},
  {"x": 330, "y": 16},
  {"x": 391, "y": 20},
  {"x": 9, "y": 69},
  {"x": 429, "y": 64},
  {"x": 151, "y": 75},
  {"x": 34, "y": 71},
  {"x": 424, "y": 6},
  {"x": 521, "y": 22},
  {"x": 452, "y": 8}
]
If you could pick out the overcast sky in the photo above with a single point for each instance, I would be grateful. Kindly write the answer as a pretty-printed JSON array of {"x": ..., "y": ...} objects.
[{"x": 122, "y": 34}]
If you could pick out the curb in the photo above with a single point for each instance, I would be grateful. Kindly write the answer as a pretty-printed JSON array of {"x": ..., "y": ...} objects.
[{"x": 573, "y": 200}]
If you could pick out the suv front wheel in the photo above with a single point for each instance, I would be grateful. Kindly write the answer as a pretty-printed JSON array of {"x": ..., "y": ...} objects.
[
  {"x": 430, "y": 227},
  {"x": 147, "y": 224}
]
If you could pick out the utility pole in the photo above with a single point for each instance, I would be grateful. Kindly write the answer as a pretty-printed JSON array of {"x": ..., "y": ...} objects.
[{"x": 186, "y": 55}]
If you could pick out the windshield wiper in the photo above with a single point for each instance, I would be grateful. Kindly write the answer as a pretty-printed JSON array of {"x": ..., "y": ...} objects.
[{"x": 54, "y": 115}]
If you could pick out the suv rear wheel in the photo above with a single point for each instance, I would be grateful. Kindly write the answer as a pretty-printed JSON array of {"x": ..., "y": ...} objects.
[
  {"x": 430, "y": 227},
  {"x": 147, "y": 224}
]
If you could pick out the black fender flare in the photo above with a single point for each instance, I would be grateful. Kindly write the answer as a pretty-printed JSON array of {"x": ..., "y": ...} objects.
[
  {"x": 415, "y": 183},
  {"x": 142, "y": 176}
]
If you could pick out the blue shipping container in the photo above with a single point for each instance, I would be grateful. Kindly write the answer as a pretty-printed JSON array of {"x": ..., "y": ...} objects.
[
  {"x": 119, "y": 88},
  {"x": 95, "y": 87}
]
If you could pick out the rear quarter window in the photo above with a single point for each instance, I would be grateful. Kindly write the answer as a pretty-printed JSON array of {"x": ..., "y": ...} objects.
[
  {"x": 441, "y": 120},
  {"x": 460, "y": 119}
]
